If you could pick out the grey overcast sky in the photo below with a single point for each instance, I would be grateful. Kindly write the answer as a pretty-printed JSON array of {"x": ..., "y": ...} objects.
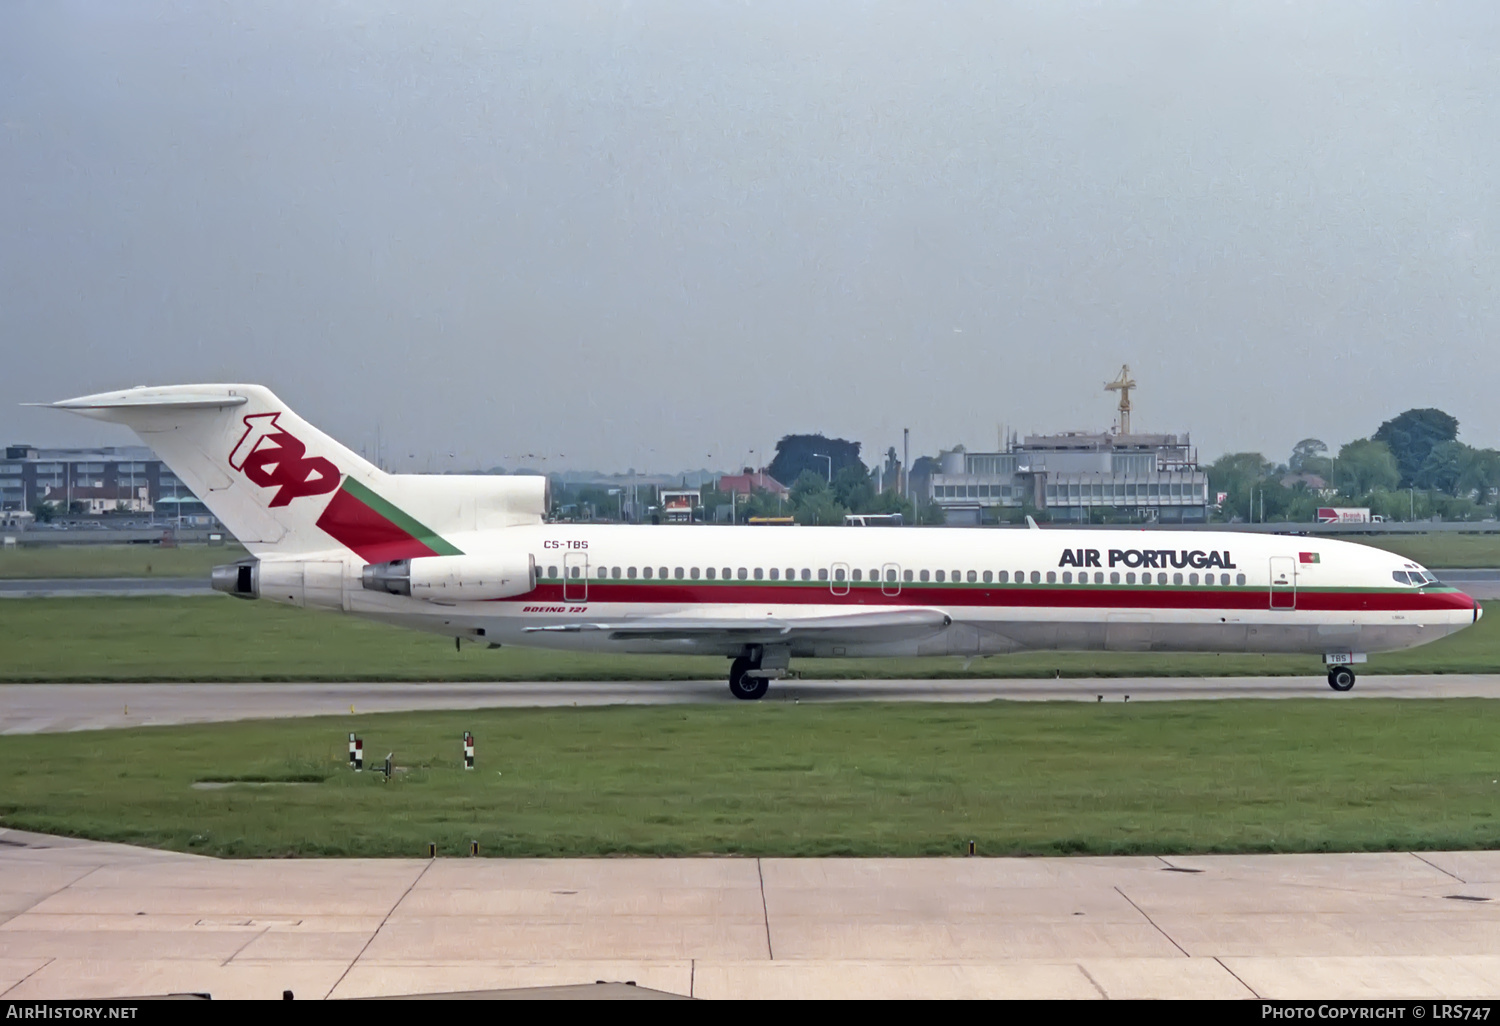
[{"x": 662, "y": 234}]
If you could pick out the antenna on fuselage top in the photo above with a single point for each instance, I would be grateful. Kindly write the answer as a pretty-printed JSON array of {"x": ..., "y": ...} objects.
[{"x": 1032, "y": 523}]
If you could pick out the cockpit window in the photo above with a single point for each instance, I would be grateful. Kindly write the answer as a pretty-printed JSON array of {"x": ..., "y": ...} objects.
[{"x": 1400, "y": 576}]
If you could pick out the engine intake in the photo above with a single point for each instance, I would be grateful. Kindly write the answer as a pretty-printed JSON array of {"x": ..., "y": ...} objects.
[
  {"x": 242, "y": 580},
  {"x": 453, "y": 578}
]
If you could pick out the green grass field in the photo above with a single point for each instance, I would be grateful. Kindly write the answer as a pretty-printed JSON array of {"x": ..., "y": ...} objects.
[
  {"x": 217, "y": 638},
  {"x": 114, "y": 561},
  {"x": 1437, "y": 551},
  {"x": 858, "y": 779}
]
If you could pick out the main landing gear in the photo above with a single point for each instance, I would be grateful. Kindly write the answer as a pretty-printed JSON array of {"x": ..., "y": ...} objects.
[
  {"x": 746, "y": 687},
  {"x": 1340, "y": 678},
  {"x": 751, "y": 672}
]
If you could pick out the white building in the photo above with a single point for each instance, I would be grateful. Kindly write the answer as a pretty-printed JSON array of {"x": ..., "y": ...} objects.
[{"x": 1147, "y": 477}]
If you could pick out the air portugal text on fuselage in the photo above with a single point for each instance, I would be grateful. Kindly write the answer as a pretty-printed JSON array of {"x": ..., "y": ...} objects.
[{"x": 1149, "y": 559}]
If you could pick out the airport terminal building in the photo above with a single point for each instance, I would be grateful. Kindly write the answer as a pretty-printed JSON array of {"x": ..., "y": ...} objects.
[
  {"x": 1074, "y": 475},
  {"x": 128, "y": 478}
]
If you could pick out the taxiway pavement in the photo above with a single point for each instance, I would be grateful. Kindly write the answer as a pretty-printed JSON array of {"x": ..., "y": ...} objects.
[
  {"x": 80, "y": 920},
  {"x": 52, "y": 708}
]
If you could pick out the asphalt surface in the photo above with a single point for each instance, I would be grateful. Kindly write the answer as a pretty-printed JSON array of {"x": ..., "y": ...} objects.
[
  {"x": 79, "y": 587},
  {"x": 55, "y": 708}
]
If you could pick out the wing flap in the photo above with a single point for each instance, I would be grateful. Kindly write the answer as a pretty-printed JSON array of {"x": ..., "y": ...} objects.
[{"x": 875, "y": 625}]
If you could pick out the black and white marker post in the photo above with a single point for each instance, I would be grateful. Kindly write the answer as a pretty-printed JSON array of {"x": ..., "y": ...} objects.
[
  {"x": 356, "y": 754},
  {"x": 468, "y": 750}
]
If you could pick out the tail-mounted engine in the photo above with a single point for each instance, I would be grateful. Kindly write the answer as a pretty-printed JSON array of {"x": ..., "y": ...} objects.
[
  {"x": 242, "y": 580},
  {"x": 454, "y": 578}
]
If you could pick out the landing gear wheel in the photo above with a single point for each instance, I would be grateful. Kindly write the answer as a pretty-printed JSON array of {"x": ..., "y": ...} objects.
[
  {"x": 746, "y": 688},
  {"x": 1341, "y": 678}
]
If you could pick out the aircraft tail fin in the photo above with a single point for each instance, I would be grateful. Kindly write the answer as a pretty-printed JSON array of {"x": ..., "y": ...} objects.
[{"x": 284, "y": 488}]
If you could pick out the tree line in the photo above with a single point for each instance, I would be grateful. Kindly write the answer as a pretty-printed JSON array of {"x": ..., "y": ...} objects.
[{"x": 1412, "y": 467}]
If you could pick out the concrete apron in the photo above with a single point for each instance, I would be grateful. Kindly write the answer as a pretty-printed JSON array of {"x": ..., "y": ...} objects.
[{"x": 79, "y": 919}]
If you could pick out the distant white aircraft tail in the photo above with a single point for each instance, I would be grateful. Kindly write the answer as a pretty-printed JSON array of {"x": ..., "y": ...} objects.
[{"x": 284, "y": 488}]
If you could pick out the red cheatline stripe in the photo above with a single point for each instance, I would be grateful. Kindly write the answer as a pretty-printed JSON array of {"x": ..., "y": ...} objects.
[
  {"x": 370, "y": 535},
  {"x": 674, "y": 593}
]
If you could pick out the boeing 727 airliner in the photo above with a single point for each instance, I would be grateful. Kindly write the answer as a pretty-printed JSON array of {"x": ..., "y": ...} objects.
[{"x": 472, "y": 557}]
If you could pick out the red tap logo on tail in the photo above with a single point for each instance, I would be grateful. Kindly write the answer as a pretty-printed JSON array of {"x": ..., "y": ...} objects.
[{"x": 273, "y": 458}]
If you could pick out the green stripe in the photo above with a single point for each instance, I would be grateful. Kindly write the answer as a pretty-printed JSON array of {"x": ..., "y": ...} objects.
[{"x": 421, "y": 532}]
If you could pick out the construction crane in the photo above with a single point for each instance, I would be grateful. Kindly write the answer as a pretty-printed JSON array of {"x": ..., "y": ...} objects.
[{"x": 1123, "y": 384}]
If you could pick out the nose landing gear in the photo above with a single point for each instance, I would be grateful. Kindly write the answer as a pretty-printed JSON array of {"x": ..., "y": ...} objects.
[{"x": 1340, "y": 678}]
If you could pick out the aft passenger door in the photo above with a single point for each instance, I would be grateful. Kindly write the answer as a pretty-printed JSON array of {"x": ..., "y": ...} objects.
[
  {"x": 575, "y": 577},
  {"x": 1283, "y": 583}
]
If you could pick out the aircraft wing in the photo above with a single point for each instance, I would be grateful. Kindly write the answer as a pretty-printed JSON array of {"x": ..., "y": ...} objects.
[{"x": 851, "y": 628}]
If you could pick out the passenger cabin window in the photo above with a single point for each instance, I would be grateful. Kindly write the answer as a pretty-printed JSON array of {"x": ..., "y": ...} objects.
[
  {"x": 971, "y": 576},
  {"x": 838, "y": 575},
  {"x": 710, "y": 573},
  {"x": 925, "y": 576},
  {"x": 1238, "y": 579},
  {"x": 775, "y": 573},
  {"x": 988, "y": 577},
  {"x": 552, "y": 571},
  {"x": 855, "y": 575},
  {"x": 1067, "y": 576},
  {"x": 694, "y": 573},
  {"x": 760, "y": 575},
  {"x": 890, "y": 575},
  {"x": 1051, "y": 576},
  {"x": 1003, "y": 576},
  {"x": 744, "y": 574},
  {"x": 1036, "y": 577},
  {"x": 662, "y": 573},
  {"x": 875, "y": 575},
  {"x": 1099, "y": 577},
  {"x": 791, "y": 574},
  {"x": 1130, "y": 578},
  {"x": 614, "y": 572},
  {"x": 806, "y": 574},
  {"x": 822, "y": 574},
  {"x": 645, "y": 572},
  {"x": 603, "y": 572},
  {"x": 677, "y": 573},
  {"x": 1176, "y": 578},
  {"x": 957, "y": 576},
  {"x": 1192, "y": 578},
  {"x": 1161, "y": 578},
  {"x": 630, "y": 573},
  {"x": 907, "y": 575},
  {"x": 727, "y": 573},
  {"x": 939, "y": 576},
  {"x": 1114, "y": 577}
]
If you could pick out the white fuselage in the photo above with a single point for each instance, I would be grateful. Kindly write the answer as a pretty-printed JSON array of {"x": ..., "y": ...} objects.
[{"x": 1004, "y": 590}]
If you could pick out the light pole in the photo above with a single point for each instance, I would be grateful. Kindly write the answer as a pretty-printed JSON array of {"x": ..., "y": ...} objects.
[{"x": 820, "y": 456}]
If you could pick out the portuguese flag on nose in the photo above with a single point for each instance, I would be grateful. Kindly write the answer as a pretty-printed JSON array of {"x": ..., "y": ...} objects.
[{"x": 1308, "y": 557}]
